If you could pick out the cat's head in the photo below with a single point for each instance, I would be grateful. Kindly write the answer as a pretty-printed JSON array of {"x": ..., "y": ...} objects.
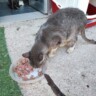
[{"x": 37, "y": 55}]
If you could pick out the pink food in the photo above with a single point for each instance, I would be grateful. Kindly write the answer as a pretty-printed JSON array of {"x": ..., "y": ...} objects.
[
  {"x": 40, "y": 73},
  {"x": 25, "y": 78},
  {"x": 24, "y": 68}
]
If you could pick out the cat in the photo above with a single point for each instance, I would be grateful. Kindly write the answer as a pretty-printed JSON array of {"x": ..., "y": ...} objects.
[
  {"x": 26, "y": 2},
  {"x": 53, "y": 86},
  {"x": 61, "y": 29},
  {"x": 14, "y": 4}
]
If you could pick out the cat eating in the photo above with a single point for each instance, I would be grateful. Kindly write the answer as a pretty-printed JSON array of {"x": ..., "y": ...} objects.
[{"x": 61, "y": 29}]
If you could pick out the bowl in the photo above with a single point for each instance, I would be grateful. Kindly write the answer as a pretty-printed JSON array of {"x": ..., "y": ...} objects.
[{"x": 16, "y": 78}]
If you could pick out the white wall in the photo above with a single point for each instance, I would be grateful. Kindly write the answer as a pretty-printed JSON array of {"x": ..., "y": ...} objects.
[
  {"x": 81, "y": 4},
  {"x": 93, "y": 2}
]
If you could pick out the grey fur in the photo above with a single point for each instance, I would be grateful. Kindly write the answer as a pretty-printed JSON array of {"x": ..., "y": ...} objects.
[{"x": 62, "y": 27}]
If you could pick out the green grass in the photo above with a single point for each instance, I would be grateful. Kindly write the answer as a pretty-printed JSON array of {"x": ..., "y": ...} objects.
[{"x": 7, "y": 86}]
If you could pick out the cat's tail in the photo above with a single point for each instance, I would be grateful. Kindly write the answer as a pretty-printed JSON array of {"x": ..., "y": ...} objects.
[
  {"x": 86, "y": 39},
  {"x": 53, "y": 86}
]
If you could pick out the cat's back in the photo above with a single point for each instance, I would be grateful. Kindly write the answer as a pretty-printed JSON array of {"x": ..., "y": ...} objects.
[{"x": 67, "y": 15}]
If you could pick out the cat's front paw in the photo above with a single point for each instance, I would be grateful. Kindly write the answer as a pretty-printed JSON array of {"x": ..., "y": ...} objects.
[
  {"x": 52, "y": 52},
  {"x": 51, "y": 55}
]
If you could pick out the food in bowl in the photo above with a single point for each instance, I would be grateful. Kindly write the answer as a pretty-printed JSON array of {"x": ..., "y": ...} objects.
[{"x": 25, "y": 71}]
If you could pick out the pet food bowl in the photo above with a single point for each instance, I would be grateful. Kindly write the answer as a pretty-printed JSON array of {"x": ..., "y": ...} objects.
[{"x": 15, "y": 77}]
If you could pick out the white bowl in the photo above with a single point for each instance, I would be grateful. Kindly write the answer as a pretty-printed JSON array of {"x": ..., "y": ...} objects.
[{"x": 15, "y": 77}]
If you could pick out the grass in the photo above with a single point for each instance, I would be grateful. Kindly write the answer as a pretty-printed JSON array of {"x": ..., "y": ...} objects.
[{"x": 7, "y": 86}]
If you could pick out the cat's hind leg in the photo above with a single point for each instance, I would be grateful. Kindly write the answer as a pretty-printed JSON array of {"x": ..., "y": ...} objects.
[{"x": 71, "y": 45}]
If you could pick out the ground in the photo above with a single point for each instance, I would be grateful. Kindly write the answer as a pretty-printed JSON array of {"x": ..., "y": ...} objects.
[{"x": 75, "y": 73}]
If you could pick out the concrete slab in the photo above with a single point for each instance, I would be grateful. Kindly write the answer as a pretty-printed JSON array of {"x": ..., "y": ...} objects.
[
  {"x": 21, "y": 17},
  {"x": 75, "y": 73}
]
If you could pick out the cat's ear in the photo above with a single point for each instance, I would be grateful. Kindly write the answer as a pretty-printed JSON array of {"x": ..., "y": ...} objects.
[{"x": 26, "y": 55}]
